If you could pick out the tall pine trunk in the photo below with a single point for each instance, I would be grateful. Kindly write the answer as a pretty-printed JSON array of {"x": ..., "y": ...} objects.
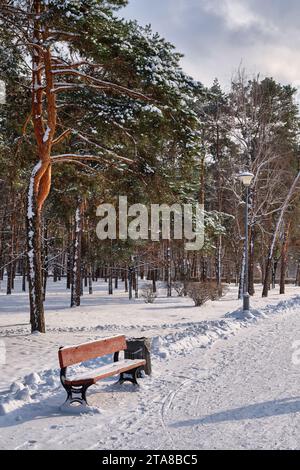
[
  {"x": 284, "y": 253},
  {"x": 267, "y": 276},
  {"x": 297, "y": 280},
  {"x": 69, "y": 254},
  {"x": 10, "y": 266},
  {"x": 219, "y": 265},
  {"x": 76, "y": 271},
  {"x": 34, "y": 253},
  {"x": 90, "y": 279},
  {"x": 274, "y": 271}
]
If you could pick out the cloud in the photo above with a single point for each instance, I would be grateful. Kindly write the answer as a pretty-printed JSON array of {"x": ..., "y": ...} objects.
[
  {"x": 216, "y": 35},
  {"x": 236, "y": 15}
]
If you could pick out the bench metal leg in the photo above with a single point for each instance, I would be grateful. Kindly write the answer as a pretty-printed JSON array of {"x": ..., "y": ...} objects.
[
  {"x": 129, "y": 376},
  {"x": 75, "y": 394}
]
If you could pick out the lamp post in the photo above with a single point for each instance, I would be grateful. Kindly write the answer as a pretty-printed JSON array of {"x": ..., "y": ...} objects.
[{"x": 246, "y": 178}]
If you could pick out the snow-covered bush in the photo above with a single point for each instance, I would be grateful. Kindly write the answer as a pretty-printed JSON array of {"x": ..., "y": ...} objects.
[
  {"x": 180, "y": 288},
  {"x": 201, "y": 292},
  {"x": 148, "y": 295}
]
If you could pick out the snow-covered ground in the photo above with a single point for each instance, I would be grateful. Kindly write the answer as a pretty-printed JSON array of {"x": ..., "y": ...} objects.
[{"x": 220, "y": 380}]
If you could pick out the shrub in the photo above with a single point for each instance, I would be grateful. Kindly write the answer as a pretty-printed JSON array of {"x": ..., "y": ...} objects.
[
  {"x": 197, "y": 293},
  {"x": 201, "y": 292},
  {"x": 180, "y": 288},
  {"x": 148, "y": 295}
]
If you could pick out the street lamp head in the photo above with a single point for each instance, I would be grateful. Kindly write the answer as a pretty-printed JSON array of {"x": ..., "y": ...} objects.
[{"x": 246, "y": 177}]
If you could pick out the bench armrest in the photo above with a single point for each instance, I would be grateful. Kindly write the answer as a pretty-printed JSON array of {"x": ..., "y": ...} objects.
[
  {"x": 63, "y": 375},
  {"x": 116, "y": 356}
]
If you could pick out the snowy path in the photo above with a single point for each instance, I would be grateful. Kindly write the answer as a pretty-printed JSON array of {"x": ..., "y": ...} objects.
[
  {"x": 247, "y": 396},
  {"x": 243, "y": 392}
]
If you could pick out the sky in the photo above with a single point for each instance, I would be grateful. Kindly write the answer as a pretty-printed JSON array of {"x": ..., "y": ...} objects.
[{"x": 219, "y": 36}]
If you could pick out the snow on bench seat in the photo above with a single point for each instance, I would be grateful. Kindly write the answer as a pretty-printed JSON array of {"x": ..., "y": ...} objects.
[{"x": 102, "y": 372}]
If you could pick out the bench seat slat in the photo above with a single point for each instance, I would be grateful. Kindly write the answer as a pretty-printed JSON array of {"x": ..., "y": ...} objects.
[
  {"x": 108, "y": 370},
  {"x": 70, "y": 355}
]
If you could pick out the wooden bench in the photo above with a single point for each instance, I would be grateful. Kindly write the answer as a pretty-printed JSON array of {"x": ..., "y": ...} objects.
[{"x": 77, "y": 386}]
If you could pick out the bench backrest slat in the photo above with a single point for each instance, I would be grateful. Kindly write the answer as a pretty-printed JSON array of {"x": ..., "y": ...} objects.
[{"x": 83, "y": 352}]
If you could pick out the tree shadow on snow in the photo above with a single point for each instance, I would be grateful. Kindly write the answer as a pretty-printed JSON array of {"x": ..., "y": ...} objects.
[
  {"x": 258, "y": 410},
  {"x": 169, "y": 307},
  {"x": 14, "y": 324}
]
